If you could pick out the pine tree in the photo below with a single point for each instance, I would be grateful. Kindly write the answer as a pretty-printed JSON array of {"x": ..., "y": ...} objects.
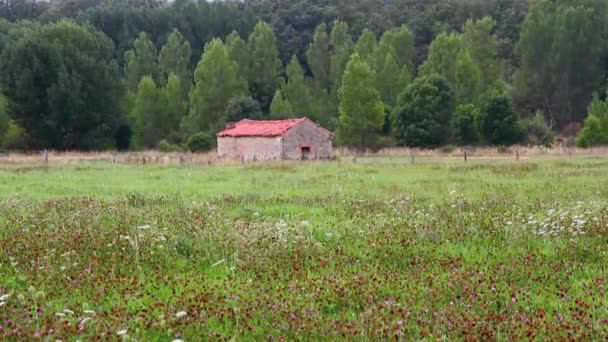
[{"x": 361, "y": 108}]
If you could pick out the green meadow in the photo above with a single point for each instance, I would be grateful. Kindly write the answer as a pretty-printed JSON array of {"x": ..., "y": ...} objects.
[{"x": 375, "y": 250}]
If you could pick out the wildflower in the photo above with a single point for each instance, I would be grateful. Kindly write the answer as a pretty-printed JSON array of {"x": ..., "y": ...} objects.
[
  {"x": 3, "y": 298},
  {"x": 181, "y": 314},
  {"x": 68, "y": 311},
  {"x": 144, "y": 227},
  {"x": 122, "y": 332},
  {"x": 59, "y": 314}
]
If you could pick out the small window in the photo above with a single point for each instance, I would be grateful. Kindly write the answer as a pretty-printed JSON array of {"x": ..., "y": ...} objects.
[{"x": 305, "y": 152}]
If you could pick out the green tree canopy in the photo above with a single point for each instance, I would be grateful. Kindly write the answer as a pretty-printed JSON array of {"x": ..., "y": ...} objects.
[
  {"x": 216, "y": 83},
  {"x": 174, "y": 58},
  {"x": 361, "y": 108},
  {"x": 264, "y": 71},
  {"x": 296, "y": 90},
  {"x": 465, "y": 130},
  {"x": 319, "y": 59},
  {"x": 498, "y": 121},
  {"x": 243, "y": 107},
  {"x": 141, "y": 61},
  {"x": 280, "y": 108},
  {"x": 63, "y": 86},
  {"x": 424, "y": 111},
  {"x": 561, "y": 50},
  {"x": 147, "y": 114},
  {"x": 483, "y": 46}
]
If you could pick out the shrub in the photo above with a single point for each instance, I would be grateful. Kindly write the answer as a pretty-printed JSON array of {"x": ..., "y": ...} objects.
[
  {"x": 199, "y": 142},
  {"x": 536, "y": 131},
  {"x": 15, "y": 137},
  {"x": 165, "y": 146},
  {"x": 592, "y": 133},
  {"x": 465, "y": 127}
]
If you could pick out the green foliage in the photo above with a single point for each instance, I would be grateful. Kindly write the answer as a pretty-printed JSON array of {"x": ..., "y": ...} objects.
[
  {"x": 237, "y": 49},
  {"x": 243, "y": 107},
  {"x": 173, "y": 104},
  {"x": 465, "y": 128},
  {"x": 148, "y": 115},
  {"x": 424, "y": 111},
  {"x": 449, "y": 57},
  {"x": 361, "y": 107},
  {"x": 366, "y": 46},
  {"x": 200, "y": 142},
  {"x": 535, "y": 131},
  {"x": 14, "y": 138},
  {"x": 4, "y": 117},
  {"x": 63, "y": 86},
  {"x": 165, "y": 146},
  {"x": 342, "y": 47},
  {"x": 319, "y": 59},
  {"x": 561, "y": 49},
  {"x": 123, "y": 137},
  {"x": 498, "y": 121},
  {"x": 592, "y": 133},
  {"x": 141, "y": 61},
  {"x": 296, "y": 90},
  {"x": 482, "y": 44},
  {"x": 264, "y": 71},
  {"x": 174, "y": 58},
  {"x": 216, "y": 83},
  {"x": 280, "y": 108}
]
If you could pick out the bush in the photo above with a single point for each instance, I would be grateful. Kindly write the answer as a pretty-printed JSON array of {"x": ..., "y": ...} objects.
[
  {"x": 15, "y": 137},
  {"x": 165, "y": 146},
  {"x": 200, "y": 142},
  {"x": 465, "y": 126},
  {"x": 499, "y": 124},
  {"x": 536, "y": 131},
  {"x": 592, "y": 133}
]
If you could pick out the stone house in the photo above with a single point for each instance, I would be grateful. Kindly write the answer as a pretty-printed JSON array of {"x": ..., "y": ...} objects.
[{"x": 299, "y": 139}]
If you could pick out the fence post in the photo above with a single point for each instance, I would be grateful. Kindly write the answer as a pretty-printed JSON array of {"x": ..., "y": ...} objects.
[
  {"x": 465, "y": 155},
  {"x": 517, "y": 152},
  {"x": 45, "y": 156}
]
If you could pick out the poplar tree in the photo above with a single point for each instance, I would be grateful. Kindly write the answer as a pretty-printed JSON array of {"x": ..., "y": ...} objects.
[
  {"x": 264, "y": 71},
  {"x": 141, "y": 61},
  {"x": 361, "y": 108},
  {"x": 215, "y": 83},
  {"x": 280, "y": 108}
]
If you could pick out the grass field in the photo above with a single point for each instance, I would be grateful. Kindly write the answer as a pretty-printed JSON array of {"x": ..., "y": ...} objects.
[{"x": 375, "y": 250}]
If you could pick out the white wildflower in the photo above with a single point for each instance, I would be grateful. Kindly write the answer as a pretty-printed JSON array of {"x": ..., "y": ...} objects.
[
  {"x": 68, "y": 311},
  {"x": 122, "y": 332},
  {"x": 84, "y": 321},
  {"x": 59, "y": 314},
  {"x": 89, "y": 312},
  {"x": 3, "y": 298},
  {"x": 181, "y": 314}
]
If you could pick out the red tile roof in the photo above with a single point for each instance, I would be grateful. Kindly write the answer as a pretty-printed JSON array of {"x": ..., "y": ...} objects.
[{"x": 270, "y": 128}]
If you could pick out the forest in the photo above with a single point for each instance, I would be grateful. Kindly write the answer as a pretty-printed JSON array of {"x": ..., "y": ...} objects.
[{"x": 151, "y": 74}]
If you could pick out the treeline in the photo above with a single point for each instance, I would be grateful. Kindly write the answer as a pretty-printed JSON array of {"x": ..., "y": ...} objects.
[{"x": 102, "y": 74}]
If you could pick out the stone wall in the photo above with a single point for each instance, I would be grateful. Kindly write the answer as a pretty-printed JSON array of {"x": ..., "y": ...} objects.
[
  {"x": 310, "y": 135},
  {"x": 249, "y": 148}
]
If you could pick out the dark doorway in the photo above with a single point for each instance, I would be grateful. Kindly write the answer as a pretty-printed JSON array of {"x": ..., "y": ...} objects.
[{"x": 305, "y": 152}]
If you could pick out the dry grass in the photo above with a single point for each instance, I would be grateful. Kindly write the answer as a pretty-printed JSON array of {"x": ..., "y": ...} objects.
[{"x": 344, "y": 154}]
